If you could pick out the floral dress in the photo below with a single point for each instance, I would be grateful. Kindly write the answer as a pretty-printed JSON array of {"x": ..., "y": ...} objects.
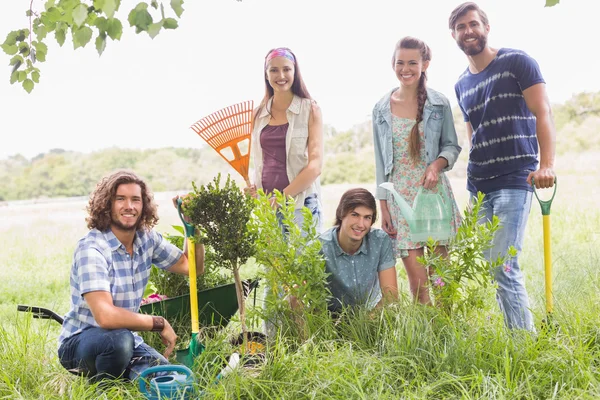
[{"x": 405, "y": 177}]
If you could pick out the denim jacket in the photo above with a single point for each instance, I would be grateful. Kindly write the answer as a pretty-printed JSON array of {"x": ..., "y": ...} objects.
[{"x": 440, "y": 135}]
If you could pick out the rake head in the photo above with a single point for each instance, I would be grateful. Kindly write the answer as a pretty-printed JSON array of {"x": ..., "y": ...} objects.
[{"x": 228, "y": 132}]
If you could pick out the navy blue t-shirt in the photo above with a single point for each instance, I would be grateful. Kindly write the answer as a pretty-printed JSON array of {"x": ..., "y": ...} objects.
[{"x": 504, "y": 146}]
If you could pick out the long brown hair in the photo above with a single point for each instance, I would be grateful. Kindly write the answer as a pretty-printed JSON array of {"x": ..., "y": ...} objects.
[
  {"x": 298, "y": 86},
  {"x": 414, "y": 141},
  {"x": 352, "y": 199},
  {"x": 100, "y": 204}
]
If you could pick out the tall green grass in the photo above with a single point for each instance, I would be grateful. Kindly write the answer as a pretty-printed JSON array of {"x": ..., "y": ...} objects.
[{"x": 405, "y": 351}]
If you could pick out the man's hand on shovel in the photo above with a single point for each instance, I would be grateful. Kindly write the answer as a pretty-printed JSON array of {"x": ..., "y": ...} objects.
[{"x": 169, "y": 338}]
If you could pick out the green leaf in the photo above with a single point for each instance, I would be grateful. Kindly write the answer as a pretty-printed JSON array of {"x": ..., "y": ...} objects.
[
  {"x": 24, "y": 48},
  {"x": 154, "y": 29},
  {"x": 552, "y": 3},
  {"x": 11, "y": 38},
  {"x": 141, "y": 6},
  {"x": 131, "y": 17},
  {"x": 114, "y": 29},
  {"x": 14, "y": 77},
  {"x": 49, "y": 3},
  {"x": 154, "y": 4},
  {"x": 68, "y": 6},
  {"x": 41, "y": 32},
  {"x": 22, "y": 35},
  {"x": 40, "y": 56},
  {"x": 91, "y": 19},
  {"x": 109, "y": 7},
  {"x": 102, "y": 24},
  {"x": 16, "y": 59},
  {"x": 21, "y": 76},
  {"x": 98, "y": 4},
  {"x": 170, "y": 23},
  {"x": 28, "y": 13},
  {"x": 176, "y": 5},
  {"x": 11, "y": 50},
  {"x": 60, "y": 36},
  {"x": 82, "y": 36},
  {"x": 35, "y": 76},
  {"x": 101, "y": 43},
  {"x": 28, "y": 85},
  {"x": 140, "y": 18},
  {"x": 40, "y": 46},
  {"x": 53, "y": 15}
]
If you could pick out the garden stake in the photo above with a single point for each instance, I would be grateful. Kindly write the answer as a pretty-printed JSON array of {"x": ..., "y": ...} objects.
[
  {"x": 545, "y": 206},
  {"x": 187, "y": 356}
]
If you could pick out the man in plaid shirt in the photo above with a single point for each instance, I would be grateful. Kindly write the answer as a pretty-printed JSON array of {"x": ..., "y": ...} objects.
[{"x": 111, "y": 266}]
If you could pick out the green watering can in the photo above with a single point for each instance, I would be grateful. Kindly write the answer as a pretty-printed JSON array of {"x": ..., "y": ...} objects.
[{"x": 430, "y": 215}]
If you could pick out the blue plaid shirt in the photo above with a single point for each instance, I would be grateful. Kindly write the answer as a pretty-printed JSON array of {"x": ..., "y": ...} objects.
[{"x": 101, "y": 263}]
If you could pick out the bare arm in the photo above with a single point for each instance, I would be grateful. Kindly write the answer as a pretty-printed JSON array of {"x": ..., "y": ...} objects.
[
  {"x": 182, "y": 265},
  {"x": 315, "y": 155},
  {"x": 537, "y": 101},
  {"x": 388, "y": 282}
]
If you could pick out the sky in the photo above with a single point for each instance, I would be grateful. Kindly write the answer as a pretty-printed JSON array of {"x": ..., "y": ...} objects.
[{"x": 143, "y": 93}]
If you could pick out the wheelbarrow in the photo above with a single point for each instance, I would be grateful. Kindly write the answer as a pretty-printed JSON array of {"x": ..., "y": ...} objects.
[{"x": 216, "y": 307}]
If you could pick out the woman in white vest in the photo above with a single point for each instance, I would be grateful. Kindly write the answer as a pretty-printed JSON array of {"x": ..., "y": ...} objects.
[{"x": 287, "y": 138}]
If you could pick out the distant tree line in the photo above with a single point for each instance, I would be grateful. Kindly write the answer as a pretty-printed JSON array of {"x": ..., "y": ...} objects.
[{"x": 348, "y": 158}]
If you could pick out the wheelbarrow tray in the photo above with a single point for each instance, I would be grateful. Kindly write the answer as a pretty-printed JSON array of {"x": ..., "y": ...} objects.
[{"x": 216, "y": 305}]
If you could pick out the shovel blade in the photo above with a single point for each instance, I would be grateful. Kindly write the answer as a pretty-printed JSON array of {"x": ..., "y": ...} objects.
[{"x": 188, "y": 356}]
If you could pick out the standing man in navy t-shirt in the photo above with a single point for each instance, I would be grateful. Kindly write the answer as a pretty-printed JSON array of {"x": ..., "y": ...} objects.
[{"x": 502, "y": 96}]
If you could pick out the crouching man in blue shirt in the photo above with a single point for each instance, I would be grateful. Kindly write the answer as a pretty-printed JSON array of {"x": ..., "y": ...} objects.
[
  {"x": 111, "y": 267},
  {"x": 359, "y": 259}
]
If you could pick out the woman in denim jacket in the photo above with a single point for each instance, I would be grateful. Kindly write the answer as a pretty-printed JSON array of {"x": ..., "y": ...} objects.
[
  {"x": 287, "y": 144},
  {"x": 415, "y": 142}
]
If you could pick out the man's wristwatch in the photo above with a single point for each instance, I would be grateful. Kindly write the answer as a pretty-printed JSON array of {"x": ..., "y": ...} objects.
[{"x": 158, "y": 324}]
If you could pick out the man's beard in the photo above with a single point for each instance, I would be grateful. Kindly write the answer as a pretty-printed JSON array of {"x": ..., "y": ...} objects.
[
  {"x": 118, "y": 224},
  {"x": 473, "y": 50}
]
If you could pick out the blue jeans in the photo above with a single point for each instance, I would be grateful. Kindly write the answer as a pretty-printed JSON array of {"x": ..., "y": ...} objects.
[
  {"x": 107, "y": 353},
  {"x": 313, "y": 203},
  {"x": 512, "y": 207}
]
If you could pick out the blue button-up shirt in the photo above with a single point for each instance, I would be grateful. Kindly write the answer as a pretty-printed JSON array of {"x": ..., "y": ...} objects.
[
  {"x": 354, "y": 278},
  {"x": 101, "y": 263}
]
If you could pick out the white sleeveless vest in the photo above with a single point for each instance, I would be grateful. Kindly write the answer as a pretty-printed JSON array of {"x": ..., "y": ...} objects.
[{"x": 296, "y": 145}]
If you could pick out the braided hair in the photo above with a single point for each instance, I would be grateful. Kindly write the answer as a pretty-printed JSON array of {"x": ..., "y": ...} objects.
[{"x": 408, "y": 42}]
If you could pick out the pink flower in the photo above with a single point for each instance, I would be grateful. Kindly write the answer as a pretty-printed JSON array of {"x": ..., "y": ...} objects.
[
  {"x": 439, "y": 282},
  {"x": 507, "y": 268},
  {"x": 153, "y": 298}
]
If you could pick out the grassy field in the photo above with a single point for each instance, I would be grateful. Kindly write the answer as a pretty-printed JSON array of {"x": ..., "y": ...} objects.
[{"x": 406, "y": 352}]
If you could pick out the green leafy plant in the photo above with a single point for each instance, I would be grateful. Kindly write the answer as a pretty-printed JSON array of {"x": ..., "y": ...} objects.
[
  {"x": 294, "y": 266},
  {"x": 461, "y": 278},
  {"x": 221, "y": 215},
  {"x": 172, "y": 285},
  {"x": 82, "y": 19}
]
